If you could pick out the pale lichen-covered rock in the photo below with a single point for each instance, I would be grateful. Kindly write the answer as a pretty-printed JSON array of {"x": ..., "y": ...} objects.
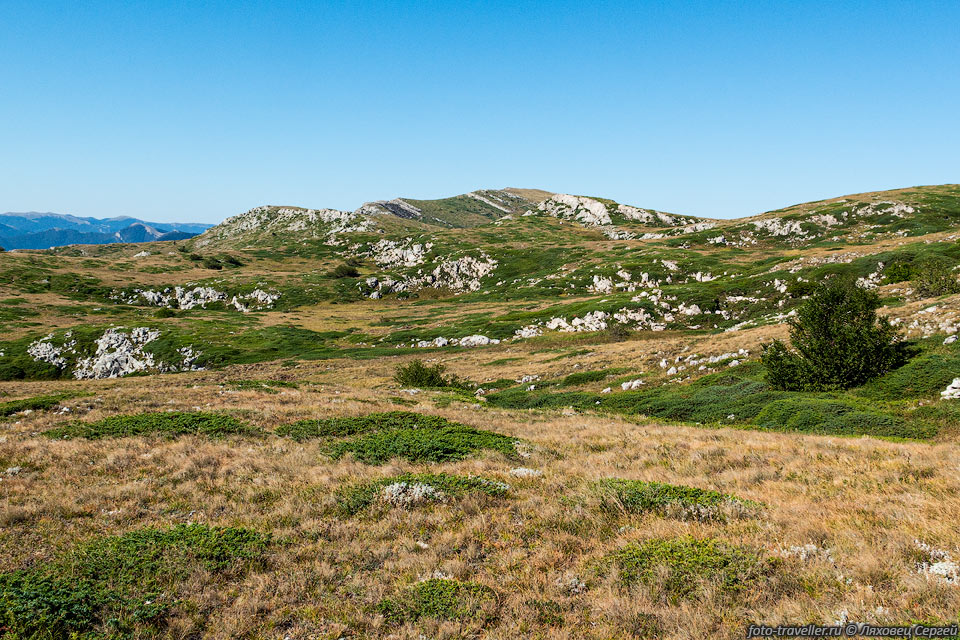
[
  {"x": 587, "y": 211},
  {"x": 43, "y": 350},
  {"x": 396, "y": 253},
  {"x": 408, "y": 494},
  {"x": 952, "y": 392},
  {"x": 476, "y": 341},
  {"x": 118, "y": 354},
  {"x": 462, "y": 274}
]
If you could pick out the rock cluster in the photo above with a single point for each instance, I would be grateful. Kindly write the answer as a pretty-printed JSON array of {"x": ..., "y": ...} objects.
[{"x": 116, "y": 353}]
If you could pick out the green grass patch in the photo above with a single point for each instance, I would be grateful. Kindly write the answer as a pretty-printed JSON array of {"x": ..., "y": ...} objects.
[
  {"x": 167, "y": 424},
  {"x": 637, "y": 496},
  {"x": 441, "y": 598},
  {"x": 347, "y": 426},
  {"x": 678, "y": 568},
  {"x": 742, "y": 397},
  {"x": 124, "y": 586},
  {"x": 423, "y": 445},
  {"x": 377, "y": 437},
  {"x": 36, "y": 403},
  {"x": 586, "y": 377},
  {"x": 356, "y": 498}
]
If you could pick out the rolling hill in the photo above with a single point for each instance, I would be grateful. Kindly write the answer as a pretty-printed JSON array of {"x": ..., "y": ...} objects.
[{"x": 508, "y": 413}]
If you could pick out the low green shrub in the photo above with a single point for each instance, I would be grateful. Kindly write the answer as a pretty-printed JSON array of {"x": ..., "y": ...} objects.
[
  {"x": 925, "y": 375},
  {"x": 586, "y": 377},
  {"x": 441, "y": 598},
  {"x": 345, "y": 271},
  {"x": 36, "y": 403},
  {"x": 934, "y": 277},
  {"x": 377, "y": 437},
  {"x": 356, "y": 498},
  {"x": 422, "y": 445},
  {"x": 417, "y": 374},
  {"x": 346, "y": 426},
  {"x": 678, "y": 567},
  {"x": 123, "y": 586},
  {"x": 831, "y": 416},
  {"x": 168, "y": 424},
  {"x": 637, "y": 496}
]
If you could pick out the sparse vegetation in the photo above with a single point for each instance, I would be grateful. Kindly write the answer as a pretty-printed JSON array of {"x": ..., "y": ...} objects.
[{"x": 376, "y": 510}]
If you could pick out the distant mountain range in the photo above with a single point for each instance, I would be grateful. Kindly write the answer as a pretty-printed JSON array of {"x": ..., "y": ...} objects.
[{"x": 34, "y": 230}]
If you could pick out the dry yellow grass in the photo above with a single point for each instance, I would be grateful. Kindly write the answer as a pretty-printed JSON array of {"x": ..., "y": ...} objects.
[{"x": 866, "y": 500}]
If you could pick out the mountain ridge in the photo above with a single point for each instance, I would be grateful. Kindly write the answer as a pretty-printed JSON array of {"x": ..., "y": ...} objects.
[{"x": 46, "y": 230}]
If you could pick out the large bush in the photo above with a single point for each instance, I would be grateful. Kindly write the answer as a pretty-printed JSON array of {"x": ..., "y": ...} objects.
[
  {"x": 934, "y": 277},
  {"x": 838, "y": 342}
]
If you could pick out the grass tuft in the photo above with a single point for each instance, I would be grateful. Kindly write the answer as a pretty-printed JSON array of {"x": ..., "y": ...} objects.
[
  {"x": 441, "y": 598},
  {"x": 637, "y": 496},
  {"x": 677, "y": 568}
]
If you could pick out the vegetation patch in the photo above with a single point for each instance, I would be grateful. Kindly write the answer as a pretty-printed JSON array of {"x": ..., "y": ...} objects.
[
  {"x": 377, "y": 437},
  {"x": 678, "y": 568},
  {"x": 417, "y": 374},
  {"x": 125, "y": 586},
  {"x": 168, "y": 424},
  {"x": 441, "y": 598},
  {"x": 838, "y": 342},
  {"x": 637, "y": 496},
  {"x": 36, "y": 403},
  {"x": 348, "y": 426},
  {"x": 411, "y": 489}
]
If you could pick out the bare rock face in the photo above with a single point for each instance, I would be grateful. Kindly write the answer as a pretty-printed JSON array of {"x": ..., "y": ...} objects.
[
  {"x": 952, "y": 392},
  {"x": 397, "y": 207},
  {"x": 462, "y": 274},
  {"x": 184, "y": 298},
  {"x": 587, "y": 211},
  {"x": 396, "y": 253},
  {"x": 118, "y": 354}
]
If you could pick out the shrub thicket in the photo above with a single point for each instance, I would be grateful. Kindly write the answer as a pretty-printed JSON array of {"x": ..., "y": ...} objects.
[
  {"x": 838, "y": 342},
  {"x": 124, "y": 586},
  {"x": 345, "y": 271},
  {"x": 417, "y": 374},
  {"x": 934, "y": 277}
]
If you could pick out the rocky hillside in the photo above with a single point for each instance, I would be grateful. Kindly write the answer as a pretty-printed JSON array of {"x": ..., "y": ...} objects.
[{"x": 520, "y": 264}]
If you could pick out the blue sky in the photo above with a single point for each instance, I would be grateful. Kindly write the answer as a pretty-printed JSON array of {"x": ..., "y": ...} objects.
[{"x": 196, "y": 111}]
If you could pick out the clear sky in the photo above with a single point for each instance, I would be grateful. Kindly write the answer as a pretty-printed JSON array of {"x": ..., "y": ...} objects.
[{"x": 194, "y": 111}]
